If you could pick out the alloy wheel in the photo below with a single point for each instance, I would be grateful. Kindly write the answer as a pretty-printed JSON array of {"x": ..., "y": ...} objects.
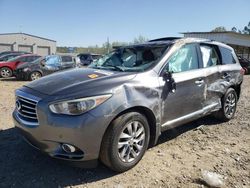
[
  {"x": 131, "y": 141},
  {"x": 230, "y": 105},
  {"x": 6, "y": 72},
  {"x": 35, "y": 76}
]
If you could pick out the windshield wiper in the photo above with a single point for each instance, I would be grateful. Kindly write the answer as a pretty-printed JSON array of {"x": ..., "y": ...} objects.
[{"x": 117, "y": 68}]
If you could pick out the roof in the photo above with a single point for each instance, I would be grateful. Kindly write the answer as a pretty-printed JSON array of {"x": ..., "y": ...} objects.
[
  {"x": 27, "y": 35},
  {"x": 216, "y": 32}
]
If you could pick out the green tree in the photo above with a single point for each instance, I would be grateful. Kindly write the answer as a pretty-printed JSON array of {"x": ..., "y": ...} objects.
[
  {"x": 219, "y": 29},
  {"x": 140, "y": 39},
  {"x": 246, "y": 29}
]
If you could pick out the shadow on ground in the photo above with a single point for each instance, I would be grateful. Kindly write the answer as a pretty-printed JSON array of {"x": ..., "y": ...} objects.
[
  {"x": 23, "y": 166},
  {"x": 175, "y": 132}
]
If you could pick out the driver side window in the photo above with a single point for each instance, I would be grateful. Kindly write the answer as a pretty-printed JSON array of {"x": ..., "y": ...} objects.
[{"x": 184, "y": 59}]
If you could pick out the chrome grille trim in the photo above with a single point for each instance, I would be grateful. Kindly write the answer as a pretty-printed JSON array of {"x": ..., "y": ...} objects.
[{"x": 26, "y": 108}]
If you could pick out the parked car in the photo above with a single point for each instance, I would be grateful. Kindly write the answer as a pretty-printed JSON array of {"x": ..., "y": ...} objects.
[
  {"x": 245, "y": 64},
  {"x": 118, "y": 106},
  {"x": 13, "y": 52},
  {"x": 7, "y": 67},
  {"x": 44, "y": 66},
  {"x": 87, "y": 58},
  {"x": 8, "y": 56}
]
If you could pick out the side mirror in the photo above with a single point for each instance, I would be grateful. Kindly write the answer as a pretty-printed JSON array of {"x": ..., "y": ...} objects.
[
  {"x": 42, "y": 63},
  {"x": 169, "y": 81}
]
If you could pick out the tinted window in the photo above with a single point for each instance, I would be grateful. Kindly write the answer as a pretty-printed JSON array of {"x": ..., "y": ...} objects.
[
  {"x": 84, "y": 57},
  {"x": 184, "y": 59},
  {"x": 22, "y": 59},
  {"x": 30, "y": 58},
  {"x": 227, "y": 56},
  {"x": 66, "y": 59},
  {"x": 209, "y": 56}
]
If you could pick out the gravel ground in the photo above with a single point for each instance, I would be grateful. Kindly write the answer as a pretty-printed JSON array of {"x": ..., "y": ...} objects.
[{"x": 176, "y": 161}]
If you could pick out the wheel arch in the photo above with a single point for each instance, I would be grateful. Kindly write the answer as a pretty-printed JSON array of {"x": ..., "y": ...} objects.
[
  {"x": 148, "y": 113},
  {"x": 6, "y": 66},
  {"x": 237, "y": 88}
]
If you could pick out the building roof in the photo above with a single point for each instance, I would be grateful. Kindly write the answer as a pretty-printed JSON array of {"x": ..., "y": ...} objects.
[
  {"x": 27, "y": 35},
  {"x": 228, "y": 37},
  {"x": 217, "y": 32}
]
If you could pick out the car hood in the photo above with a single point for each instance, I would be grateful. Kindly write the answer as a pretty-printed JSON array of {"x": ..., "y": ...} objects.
[{"x": 78, "y": 80}]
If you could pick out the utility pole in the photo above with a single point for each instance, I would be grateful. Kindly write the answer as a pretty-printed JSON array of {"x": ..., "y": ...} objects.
[{"x": 108, "y": 44}]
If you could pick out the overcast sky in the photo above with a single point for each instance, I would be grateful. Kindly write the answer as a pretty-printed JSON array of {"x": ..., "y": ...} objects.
[{"x": 83, "y": 23}]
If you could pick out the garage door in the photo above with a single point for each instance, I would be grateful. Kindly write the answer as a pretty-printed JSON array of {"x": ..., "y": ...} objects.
[
  {"x": 43, "y": 50},
  {"x": 25, "y": 48},
  {"x": 5, "y": 47}
]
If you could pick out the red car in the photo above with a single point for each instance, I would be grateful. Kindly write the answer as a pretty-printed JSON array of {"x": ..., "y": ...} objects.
[{"x": 7, "y": 67}]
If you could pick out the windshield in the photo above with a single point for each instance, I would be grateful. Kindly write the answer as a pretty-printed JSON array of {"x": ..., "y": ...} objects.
[{"x": 134, "y": 58}]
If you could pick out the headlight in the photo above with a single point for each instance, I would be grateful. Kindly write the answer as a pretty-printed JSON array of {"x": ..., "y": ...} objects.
[
  {"x": 78, "y": 106},
  {"x": 26, "y": 69}
]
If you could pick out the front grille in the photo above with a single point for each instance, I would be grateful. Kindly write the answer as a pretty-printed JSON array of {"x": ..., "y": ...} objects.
[{"x": 26, "y": 109}]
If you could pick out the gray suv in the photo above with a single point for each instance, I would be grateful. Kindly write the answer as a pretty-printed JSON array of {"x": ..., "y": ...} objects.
[{"x": 118, "y": 106}]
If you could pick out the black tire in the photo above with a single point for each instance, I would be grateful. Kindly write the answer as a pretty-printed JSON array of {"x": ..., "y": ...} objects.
[
  {"x": 228, "y": 106},
  {"x": 35, "y": 75},
  {"x": 6, "y": 72},
  {"x": 110, "y": 154}
]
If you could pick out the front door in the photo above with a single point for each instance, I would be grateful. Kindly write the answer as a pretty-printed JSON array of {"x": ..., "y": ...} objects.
[{"x": 187, "y": 100}]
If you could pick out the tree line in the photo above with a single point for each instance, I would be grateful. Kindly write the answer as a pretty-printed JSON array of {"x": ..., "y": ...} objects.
[
  {"x": 104, "y": 48},
  {"x": 245, "y": 30}
]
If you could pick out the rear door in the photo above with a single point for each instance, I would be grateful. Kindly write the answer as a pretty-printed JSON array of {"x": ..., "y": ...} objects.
[
  {"x": 211, "y": 59},
  {"x": 187, "y": 101},
  {"x": 66, "y": 62}
]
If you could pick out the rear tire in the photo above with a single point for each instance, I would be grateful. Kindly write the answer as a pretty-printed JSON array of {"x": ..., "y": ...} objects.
[
  {"x": 125, "y": 141},
  {"x": 35, "y": 75},
  {"x": 229, "y": 104},
  {"x": 6, "y": 72}
]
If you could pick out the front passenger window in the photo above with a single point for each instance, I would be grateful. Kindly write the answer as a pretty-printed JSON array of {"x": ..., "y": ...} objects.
[{"x": 184, "y": 59}]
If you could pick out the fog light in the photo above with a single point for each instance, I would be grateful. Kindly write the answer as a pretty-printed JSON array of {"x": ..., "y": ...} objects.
[{"x": 68, "y": 148}]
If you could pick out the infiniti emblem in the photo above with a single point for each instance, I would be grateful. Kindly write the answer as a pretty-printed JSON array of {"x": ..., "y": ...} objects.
[{"x": 18, "y": 105}]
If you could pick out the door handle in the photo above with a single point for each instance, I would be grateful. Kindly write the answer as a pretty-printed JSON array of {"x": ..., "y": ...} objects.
[
  {"x": 199, "y": 82},
  {"x": 225, "y": 75}
]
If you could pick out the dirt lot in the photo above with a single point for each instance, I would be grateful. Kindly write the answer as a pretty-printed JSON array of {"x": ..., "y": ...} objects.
[{"x": 177, "y": 161}]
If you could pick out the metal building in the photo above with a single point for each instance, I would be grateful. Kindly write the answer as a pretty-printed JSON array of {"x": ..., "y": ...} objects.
[
  {"x": 240, "y": 42},
  {"x": 27, "y": 42}
]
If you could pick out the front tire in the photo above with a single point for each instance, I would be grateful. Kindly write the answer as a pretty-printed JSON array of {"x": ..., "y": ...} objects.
[
  {"x": 125, "y": 141},
  {"x": 229, "y": 104},
  {"x": 6, "y": 72},
  {"x": 35, "y": 75}
]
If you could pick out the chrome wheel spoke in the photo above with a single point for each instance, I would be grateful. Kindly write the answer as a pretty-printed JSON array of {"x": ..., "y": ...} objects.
[
  {"x": 124, "y": 151},
  {"x": 139, "y": 132},
  {"x": 129, "y": 128},
  {"x": 133, "y": 153},
  {"x": 122, "y": 144},
  {"x": 141, "y": 138},
  {"x": 125, "y": 135},
  {"x": 138, "y": 147}
]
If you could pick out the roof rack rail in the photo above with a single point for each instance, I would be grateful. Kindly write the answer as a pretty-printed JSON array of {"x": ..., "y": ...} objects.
[{"x": 165, "y": 39}]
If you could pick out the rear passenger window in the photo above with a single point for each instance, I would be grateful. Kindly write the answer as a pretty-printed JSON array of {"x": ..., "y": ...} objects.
[
  {"x": 209, "y": 56},
  {"x": 184, "y": 59},
  {"x": 227, "y": 56},
  {"x": 66, "y": 58}
]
